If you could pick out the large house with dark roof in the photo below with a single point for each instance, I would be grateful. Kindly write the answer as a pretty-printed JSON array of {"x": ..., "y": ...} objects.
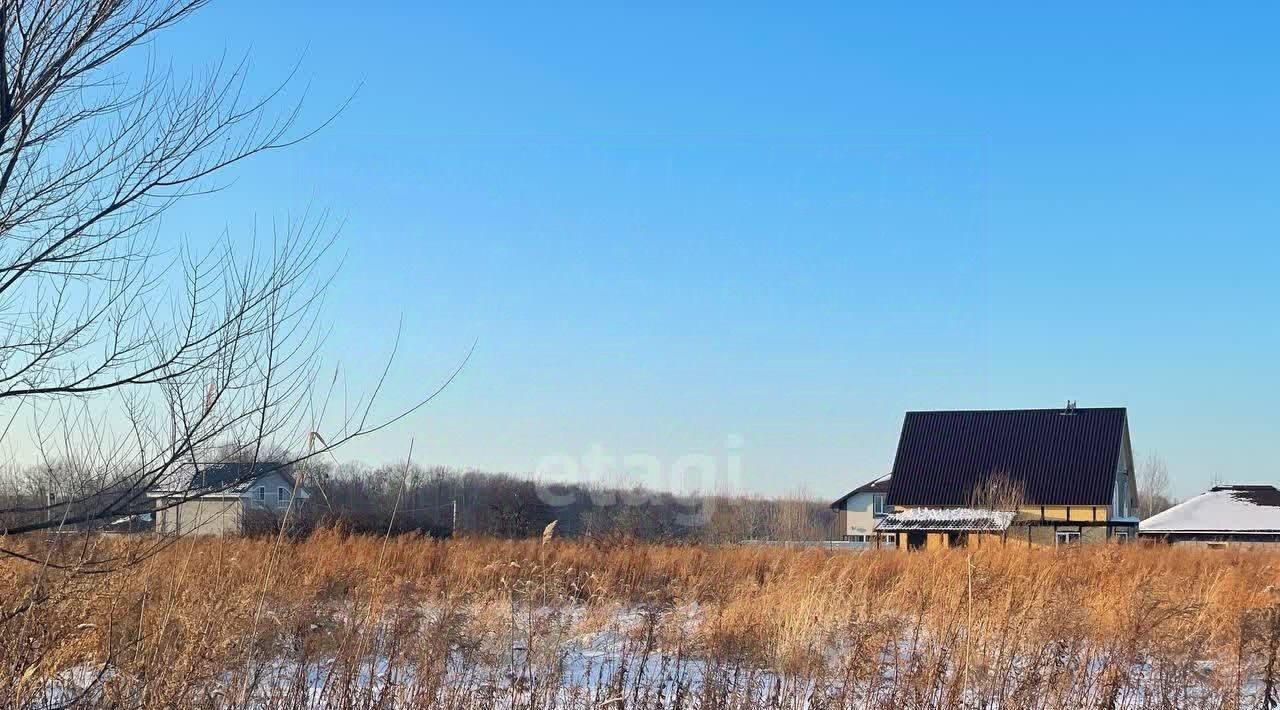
[
  {"x": 1031, "y": 476},
  {"x": 219, "y": 498}
]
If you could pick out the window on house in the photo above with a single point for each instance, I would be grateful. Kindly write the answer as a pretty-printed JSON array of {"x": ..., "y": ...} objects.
[
  {"x": 889, "y": 539},
  {"x": 878, "y": 504},
  {"x": 282, "y": 494},
  {"x": 1068, "y": 537},
  {"x": 262, "y": 493},
  {"x": 1216, "y": 545},
  {"x": 1121, "y": 535}
]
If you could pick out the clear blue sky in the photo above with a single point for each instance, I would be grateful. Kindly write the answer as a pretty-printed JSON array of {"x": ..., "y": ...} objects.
[{"x": 666, "y": 226}]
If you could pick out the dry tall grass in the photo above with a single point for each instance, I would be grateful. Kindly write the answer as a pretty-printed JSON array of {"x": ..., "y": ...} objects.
[{"x": 347, "y": 622}]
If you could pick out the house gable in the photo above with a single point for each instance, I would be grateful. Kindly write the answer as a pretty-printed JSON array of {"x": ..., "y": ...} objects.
[
  {"x": 856, "y": 510},
  {"x": 270, "y": 486},
  {"x": 1124, "y": 494},
  {"x": 846, "y": 501}
]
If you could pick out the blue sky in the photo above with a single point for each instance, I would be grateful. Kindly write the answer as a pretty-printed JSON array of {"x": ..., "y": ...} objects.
[{"x": 667, "y": 226}]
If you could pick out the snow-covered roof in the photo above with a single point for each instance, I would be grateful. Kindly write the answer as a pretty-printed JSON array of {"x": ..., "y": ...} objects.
[
  {"x": 950, "y": 519},
  {"x": 1224, "y": 510}
]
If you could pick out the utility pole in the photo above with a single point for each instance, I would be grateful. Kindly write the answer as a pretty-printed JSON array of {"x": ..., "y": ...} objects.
[{"x": 454, "y": 529}]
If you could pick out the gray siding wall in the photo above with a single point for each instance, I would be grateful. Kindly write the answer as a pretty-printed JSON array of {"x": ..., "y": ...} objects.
[
  {"x": 858, "y": 515},
  {"x": 269, "y": 487}
]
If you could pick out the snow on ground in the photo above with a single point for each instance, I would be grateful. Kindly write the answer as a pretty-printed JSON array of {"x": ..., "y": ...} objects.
[
  {"x": 77, "y": 685},
  {"x": 557, "y": 656}
]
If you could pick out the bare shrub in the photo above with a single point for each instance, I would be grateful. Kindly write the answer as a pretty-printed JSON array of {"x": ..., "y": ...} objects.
[{"x": 998, "y": 491}]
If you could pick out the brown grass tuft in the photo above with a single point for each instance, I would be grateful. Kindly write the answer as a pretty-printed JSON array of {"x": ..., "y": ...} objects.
[{"x": 475, "y": 621}]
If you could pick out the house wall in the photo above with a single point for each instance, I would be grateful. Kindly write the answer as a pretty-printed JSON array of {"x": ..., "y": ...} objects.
[
  {"x": 270, "y": 485},
  {"x": 1064, "y": 513},
  {"x": 1047, "y": 535},
  {"x": 857, "y": 517},
  {"x": 1055, "y": 513},
  {"x": 1125, "y": 496},
  {"x": 1246, "y": 540},
  {"x": 1245, "y": 544},
  {"x": 938, "y": 540},
  {"x": 1039, "y": 535},
  {"x": 1034, "y": 535},
  {"x": 900, "y": 541},
  {"x": 223, "y": 514},
  {"x": 1092, "y": 534},
  {"x": 986, "y": 539},
  {"x": 204, "y": 516}
]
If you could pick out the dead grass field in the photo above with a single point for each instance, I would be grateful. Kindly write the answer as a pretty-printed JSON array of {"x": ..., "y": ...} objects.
[{"x": 339, "y": 621}]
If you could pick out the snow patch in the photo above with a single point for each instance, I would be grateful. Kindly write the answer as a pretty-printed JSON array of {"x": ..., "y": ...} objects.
[{"x": 952, "y": 518}]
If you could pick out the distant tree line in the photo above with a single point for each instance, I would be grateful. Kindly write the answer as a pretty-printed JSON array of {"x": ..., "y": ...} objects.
[
  {"x": 440, "y": 501},
  {"x": 443, "y": 501}
]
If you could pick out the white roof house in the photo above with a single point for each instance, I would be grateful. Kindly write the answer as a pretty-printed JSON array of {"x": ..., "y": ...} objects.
[{"x": 1235, "y": 513}]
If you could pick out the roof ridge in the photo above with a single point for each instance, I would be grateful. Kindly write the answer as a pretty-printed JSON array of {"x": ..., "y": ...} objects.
[{"x": 1014, "y": 411}]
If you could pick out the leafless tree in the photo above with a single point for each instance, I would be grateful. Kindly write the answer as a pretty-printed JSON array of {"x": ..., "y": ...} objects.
[
  {"x": 127, "y": 356},
  {"x": 1154, "y": 492},
  {"x": 130, "y": 358},
  {"x": 998, "y": 491}
]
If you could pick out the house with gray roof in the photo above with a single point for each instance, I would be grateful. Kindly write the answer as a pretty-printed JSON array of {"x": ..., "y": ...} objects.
[{"x": 219, "y": 498}]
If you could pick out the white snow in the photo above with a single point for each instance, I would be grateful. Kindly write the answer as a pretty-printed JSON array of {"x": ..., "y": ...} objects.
[
  {"x": 1222, "y": 510},
  {"x": 993, "y": 519},
  {"x": 943, "y": 514}
]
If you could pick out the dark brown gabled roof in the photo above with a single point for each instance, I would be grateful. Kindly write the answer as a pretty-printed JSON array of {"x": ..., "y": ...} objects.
[
  {"x": 1059, "y": 458},
  {"x": 879, "y": 485}
]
